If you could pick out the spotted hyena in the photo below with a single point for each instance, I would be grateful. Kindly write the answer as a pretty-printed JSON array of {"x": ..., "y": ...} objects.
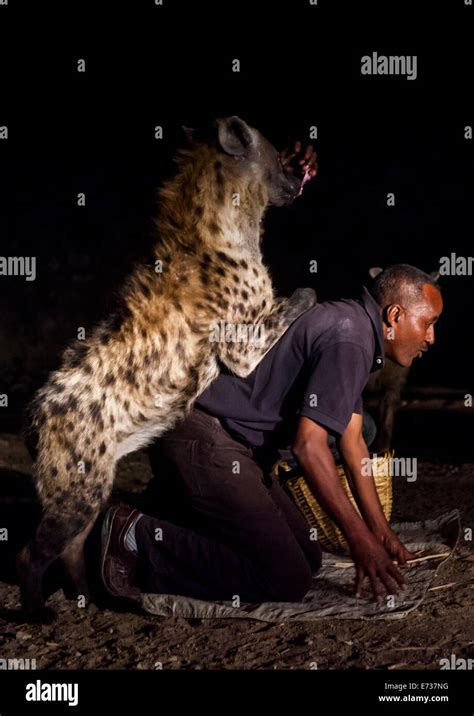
[{"x": 141, "y": 370}]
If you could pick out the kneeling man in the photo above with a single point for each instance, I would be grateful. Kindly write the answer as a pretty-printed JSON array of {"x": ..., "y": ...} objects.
[{"x": 222, "y": 525}]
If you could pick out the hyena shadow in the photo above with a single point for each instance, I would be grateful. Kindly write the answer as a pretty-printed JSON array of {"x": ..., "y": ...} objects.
[{"x": 20, "y": 515}]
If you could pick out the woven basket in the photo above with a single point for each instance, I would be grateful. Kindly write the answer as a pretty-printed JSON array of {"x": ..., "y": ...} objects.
[{"x": 328, "y": 534}]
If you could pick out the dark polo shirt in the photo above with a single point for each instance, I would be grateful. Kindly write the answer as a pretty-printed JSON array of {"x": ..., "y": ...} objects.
[{"x": 318, "y": 368}]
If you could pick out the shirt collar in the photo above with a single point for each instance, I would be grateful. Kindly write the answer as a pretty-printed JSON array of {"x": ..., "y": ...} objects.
[{"x": 371, "y": 307}]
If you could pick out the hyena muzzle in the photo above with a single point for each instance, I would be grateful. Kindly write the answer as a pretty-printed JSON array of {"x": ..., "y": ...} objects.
[{"x": 140, "y": 370}]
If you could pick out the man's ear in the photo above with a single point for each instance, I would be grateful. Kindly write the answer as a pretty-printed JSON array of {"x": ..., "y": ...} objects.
[
  {"x": 392, "y": 313},
  {"x": 234, "y": 135}
]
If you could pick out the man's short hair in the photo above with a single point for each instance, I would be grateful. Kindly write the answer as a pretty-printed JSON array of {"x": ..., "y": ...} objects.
[{"x": 400, "y": 283}]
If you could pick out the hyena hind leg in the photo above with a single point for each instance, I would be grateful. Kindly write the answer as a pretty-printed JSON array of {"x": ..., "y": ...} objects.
[
  {"x": 74, "y": 564},
  {"x": 56, "y": 531}
]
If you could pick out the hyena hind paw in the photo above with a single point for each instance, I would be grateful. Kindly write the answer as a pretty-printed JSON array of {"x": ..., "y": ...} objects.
[{"x": 38, "y": 615}]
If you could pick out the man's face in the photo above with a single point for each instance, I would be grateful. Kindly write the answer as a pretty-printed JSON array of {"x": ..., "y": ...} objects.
[{"x": 409, "y": 329}]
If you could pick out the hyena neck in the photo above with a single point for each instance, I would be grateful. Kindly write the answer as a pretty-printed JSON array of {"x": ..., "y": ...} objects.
[{"x": 212, "y": 203}]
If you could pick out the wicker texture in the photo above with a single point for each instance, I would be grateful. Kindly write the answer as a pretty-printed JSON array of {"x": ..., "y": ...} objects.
[{"x": 328, "y": 534}]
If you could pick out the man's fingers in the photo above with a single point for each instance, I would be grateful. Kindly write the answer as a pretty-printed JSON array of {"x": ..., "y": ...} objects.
[
  {"x": 309, "y": 152},
  {"x": 397, "y": 551},
  {"x": 397, "y": 575},
  {"x": 393, "y": 547},
  {"x": 389, "y": 582},
  {"x": 376, "y": 586},
  {"x": 401, "y": 557},
  {"x": 287, "y": 159},
  {"x": 313, "y": 168},
  {"x": 407, "y": 554},
  {"x": 309, "y": 164},
  {"x": 359, "y": 582},
  {"x": 308, "y": 167}
]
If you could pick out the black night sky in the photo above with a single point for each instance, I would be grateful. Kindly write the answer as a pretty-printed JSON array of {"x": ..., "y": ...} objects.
[{"x": 94, "y": 133}]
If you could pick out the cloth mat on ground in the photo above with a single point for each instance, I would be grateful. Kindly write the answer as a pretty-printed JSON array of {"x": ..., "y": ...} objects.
[{"x": 331, "y": 595}]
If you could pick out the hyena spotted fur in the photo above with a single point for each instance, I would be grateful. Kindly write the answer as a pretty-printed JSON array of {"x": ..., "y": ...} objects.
[{"x": 141, "y": 370}]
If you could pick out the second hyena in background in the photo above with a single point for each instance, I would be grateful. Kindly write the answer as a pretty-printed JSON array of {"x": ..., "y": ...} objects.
[
  {"x": 386, "y": 386},
  {"x": 141, "y": 370}
]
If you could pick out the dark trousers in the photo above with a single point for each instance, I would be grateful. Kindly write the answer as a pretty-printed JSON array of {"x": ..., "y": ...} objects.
[{"x": 222, "y": 527}]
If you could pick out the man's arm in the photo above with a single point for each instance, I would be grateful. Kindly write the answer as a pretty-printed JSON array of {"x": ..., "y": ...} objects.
[
  {"x": 355, "y": 455},
  {"x": 312, "y": 452},
  {"x": 303, "y": 164}
]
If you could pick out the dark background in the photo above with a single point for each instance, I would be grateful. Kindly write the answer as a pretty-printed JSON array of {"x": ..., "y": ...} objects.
[{"x": 300, "y": 66}]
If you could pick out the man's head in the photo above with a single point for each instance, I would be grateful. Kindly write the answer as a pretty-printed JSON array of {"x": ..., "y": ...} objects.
[{"x": 410, "y": 302}]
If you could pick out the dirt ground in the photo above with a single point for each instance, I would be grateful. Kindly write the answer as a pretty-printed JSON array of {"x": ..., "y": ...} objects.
[{"x": 108, "y": 636}]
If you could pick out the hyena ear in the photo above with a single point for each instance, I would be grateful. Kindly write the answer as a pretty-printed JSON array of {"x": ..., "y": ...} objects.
[
  {"x": 234, "y": 135},
  {"x": 374, "y": 271},
  {"x": 435, "y": 275}
]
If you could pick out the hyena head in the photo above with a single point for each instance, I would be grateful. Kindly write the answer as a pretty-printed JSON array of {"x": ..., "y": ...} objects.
[{"x": 244, "y": 147}]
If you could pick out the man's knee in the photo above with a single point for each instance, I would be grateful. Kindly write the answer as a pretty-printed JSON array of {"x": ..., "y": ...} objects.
[{"x": 291, "y": 580}]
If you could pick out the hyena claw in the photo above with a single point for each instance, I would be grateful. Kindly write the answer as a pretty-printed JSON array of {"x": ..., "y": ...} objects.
[{"x": 300, "y": 301}]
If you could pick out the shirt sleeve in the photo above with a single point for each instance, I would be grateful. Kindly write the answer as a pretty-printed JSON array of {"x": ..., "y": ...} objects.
[
  {"x": 337, "y": 378},
  {"x": 358, "y": 405}
]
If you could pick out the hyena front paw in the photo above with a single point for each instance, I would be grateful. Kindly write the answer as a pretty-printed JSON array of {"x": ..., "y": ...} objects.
[{"x": 301, "y": 300}]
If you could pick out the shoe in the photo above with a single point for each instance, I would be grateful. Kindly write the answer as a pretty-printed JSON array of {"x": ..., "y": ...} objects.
[{"x": 118, "y": 563}]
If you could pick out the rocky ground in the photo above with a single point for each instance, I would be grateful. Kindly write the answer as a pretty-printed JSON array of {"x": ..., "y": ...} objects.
[{"x": 108, "y": 636}]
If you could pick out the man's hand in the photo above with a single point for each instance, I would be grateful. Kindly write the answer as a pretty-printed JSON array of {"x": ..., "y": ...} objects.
[
  {"x": 355, "y": 454},
  {"x": 372, "y": 560},
  {"x": 394, "y": 547},
  {"x": 303, "y": 165},
  {"x": 370, "y": 556}
]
